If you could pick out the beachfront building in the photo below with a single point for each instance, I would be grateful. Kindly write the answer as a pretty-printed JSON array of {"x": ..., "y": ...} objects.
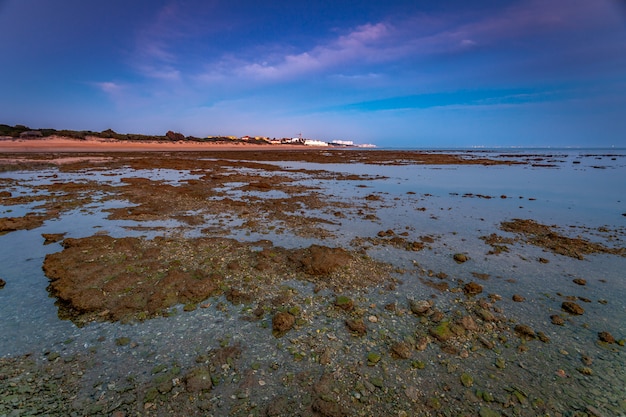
[
  {"x": 314, "y": 142},
  {"x": 342, "y": 143}
]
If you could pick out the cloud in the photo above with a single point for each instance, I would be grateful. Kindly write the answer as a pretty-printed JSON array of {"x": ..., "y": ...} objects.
[
  {"x": 416, "y": 38},
  {"x": 360, "y": 43},
  {"x": 108, "y": 87}
]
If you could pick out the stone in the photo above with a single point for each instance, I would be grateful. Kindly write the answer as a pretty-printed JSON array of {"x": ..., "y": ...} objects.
[
  {"x": 558, "y": 320},
  {"x": 606, "y": 337},
  {"x": 322, "y": 260},
  {"x": 401, "y": 350},
  {"x": 518, "y": 298},
  {"x": 467, "y": 380},
  {"x": 468, "y": 323},
  {"x": 344, "y": 303},
  {"x": 460, "y": 258},
  {"x": 373, "y": 358},
  {"x": 2, "y": 283},
  {"x": 198, "y": 379},
  {"x": 282, "y": 322},
  {"x": 472, "y": 288},
  {"x": 525, "y": 332},
  {"x": 441, "y": 332},
  {"x": 485, "y": 314},
  {"x": 357, "y": 327},
  {"x": 580, "y": 281},
  {"x": 572, "y": 308},
  {"x": 420, "y": 307}
]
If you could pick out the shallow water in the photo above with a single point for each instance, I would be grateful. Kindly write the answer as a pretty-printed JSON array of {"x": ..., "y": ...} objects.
[{"x": 447, "y": 203}]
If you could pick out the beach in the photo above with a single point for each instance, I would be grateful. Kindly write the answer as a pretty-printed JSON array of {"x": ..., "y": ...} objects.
[{"x": 204, "y": 279}]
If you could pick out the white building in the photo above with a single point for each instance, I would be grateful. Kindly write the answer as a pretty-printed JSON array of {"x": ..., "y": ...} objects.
[{"x": 313, "y": 142}]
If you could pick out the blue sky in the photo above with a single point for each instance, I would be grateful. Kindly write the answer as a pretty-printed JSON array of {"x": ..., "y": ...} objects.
[{"x": 393, "y": 73}]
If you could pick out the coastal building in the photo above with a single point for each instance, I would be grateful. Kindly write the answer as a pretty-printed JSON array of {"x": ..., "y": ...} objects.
[{"x": 314, "y": 142}]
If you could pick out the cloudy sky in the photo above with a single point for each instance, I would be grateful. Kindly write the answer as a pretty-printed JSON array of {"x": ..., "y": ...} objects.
[{"x": 394, "y": 73}]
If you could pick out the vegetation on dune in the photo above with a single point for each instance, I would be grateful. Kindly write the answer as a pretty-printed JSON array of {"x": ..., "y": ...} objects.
[{"x": 170, "y": 136}]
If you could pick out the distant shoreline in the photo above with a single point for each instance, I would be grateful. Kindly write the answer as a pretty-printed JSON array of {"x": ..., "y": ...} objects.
[{"x": 95, "y": 144}]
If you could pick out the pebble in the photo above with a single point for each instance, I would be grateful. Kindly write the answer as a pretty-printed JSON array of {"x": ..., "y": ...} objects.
[{"x": 572, "y": 308}]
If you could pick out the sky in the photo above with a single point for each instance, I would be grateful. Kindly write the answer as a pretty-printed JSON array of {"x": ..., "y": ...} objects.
[{"x": 448, "y": 73}]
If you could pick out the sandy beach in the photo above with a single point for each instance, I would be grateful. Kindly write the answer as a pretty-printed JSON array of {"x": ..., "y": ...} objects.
[{"x": 94, "y": 144}]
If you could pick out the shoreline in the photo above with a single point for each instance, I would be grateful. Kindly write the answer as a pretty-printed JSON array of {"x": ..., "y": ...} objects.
[{"x": 93, "y": 144}]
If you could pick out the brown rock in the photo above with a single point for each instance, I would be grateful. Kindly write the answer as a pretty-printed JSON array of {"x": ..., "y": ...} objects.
[
  {"x": 322, "y": 260},
  {"x": 472, "y": 288},
  {"x": 282, "y": 322},
  {"x": 459, "y": 258},
  {"x": 558, "y": 320},
  {"x": 572, "y": 308},
  {"x": 2, "y": 283},
  {"x": 420, "y": 307},
  {"x": 327, "y": 408},
  {"x": 468, "y": 323},
  {"x": 580, "y": 281},
  {"x": 198, "y": 379},
  {"x": 518, "y": 298},
  {"x": 52, "y": 237},
  {"x": 525, "y": 332},
  {"x": 357, "y": 327},
  {"x": 606, "y": 337},
  {"x": 485, "y": 314},
  {"x": 401, "y": 350}
]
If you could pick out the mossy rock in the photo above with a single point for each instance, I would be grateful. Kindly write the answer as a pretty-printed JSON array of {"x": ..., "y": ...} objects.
[
  {"x": 373, "y": 358},
  {"x": 441, "y": 332}
]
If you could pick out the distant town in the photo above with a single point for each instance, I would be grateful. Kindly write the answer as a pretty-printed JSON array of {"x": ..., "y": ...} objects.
[{"x": 24, "y": 132}]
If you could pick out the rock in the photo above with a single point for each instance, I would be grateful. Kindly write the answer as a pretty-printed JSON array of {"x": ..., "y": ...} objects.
[
  {"x": 579, "y": 281},
  {"x": 467, "y": 380},
  {"x": 488, "y": 412},
  {"x": 586, "y": 360},
  {"x": 373, "y": 358},
  {"x": 52, "y": 237},
  {"x": 468, "y": 323},
  {"x": 572, "y": 308},
  {"x": 518, "y": 298},
  {"x": 420, "y": 307},
  {"x": 327, "y": 408},
  {"x": 606, "y": 337},
  {"x": 2, "y": 283},
  {"x": 442, "y": 332},
  {"x": 422, "y": 343},
  {"x": 357, "y": 327},
  {"x": 525, "y": 332},
  {"x": 344, "y": 303},
  {"x": 556, "y": 319},
  {"x": 401, "y": 350},
  {"x": 543, "y": 337},
  {"x": 282, "y": 322},
  {"x": 459, "y": 258},
  {"x": 485, "y": 314},
  {"x": 198, "y": 379},
  {"x": 437, "y": 316},
  {"x": 322, "y": 260},
  {"x": 472, "y": 288}
]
